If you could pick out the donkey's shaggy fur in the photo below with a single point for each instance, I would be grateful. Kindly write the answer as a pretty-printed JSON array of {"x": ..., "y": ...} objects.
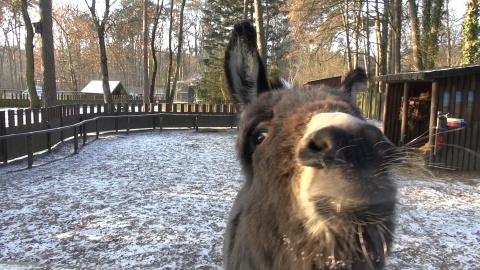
[{"x": 317, "y": 191}]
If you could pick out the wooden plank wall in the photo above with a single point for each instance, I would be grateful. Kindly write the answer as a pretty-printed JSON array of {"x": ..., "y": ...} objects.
[
  {"x": 461, "y": 151},
  {"x": 393, "y": 104}
]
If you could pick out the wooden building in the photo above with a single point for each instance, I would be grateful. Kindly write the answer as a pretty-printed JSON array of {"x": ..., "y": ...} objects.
[
  {"x": 95, "y": 88},
  {"x": 415, "y": 104},
  {"x": 333, "y": 82}
]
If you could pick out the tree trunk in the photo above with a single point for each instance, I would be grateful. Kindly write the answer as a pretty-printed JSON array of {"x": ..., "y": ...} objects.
[
  {"x": 356, "y": 34},
  {"x": 448, "y": 33},
  {"x": 384, "y": 39},
  {"x": 158, "y": 10},
  {"x": 30, "y": 66},
  {"x": 378, "y": 39},
  {"x": 261, "y": 43},
  {"x": 49, "y": 79},
  {"x": 146, "y": 95},
  {"x": 107, "y": 95},
  {"x": 179, "y": 51},
  {"x": 169, "y": 96},
  {"x": 433, "y": 12},
  {"x": 414, "y": 23},
  {"x": 397, "y": 35},
  {"x": 381, "y": 36},
  {"x": 100, "y": 26},
  {"x": 346, "y": 27},
  {"x": 366, "y": 29},
  {"x": 20, "y": 79},
  {"x": 245, "y": 9}
]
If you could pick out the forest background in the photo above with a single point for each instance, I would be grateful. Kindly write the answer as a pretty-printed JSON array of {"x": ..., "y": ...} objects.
[{"x": 184, "y": 41}]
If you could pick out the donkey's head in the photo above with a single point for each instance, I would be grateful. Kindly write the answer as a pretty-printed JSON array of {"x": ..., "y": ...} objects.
[{"x": 317, "y": 191}]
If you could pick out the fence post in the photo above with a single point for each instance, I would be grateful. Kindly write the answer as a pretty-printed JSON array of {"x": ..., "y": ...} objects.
[
  {"x": 84, "y": 129},
  {"x": 232, "y": 120},
  {"x": 75, "y": 140},
  {"x": 81, "y": 127},
  {"x": 128, "y": 124},
  {"x": 30, "y": 150},
  {"x": 96, "y": 128},
  {"x": 49, "y": 138},
  {"x": 196, "y": 123},
  {"x": 161, "y": 122},
  {"x": 3, "y": 131},
  {"x": 62, "y": 113}
]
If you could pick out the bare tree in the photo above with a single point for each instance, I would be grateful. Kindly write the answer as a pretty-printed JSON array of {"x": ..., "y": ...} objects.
[
  {"x": 396, "y": 36},
  {"x": 346, "y": 26},
  {"x": 415, "y": 26},
  {"x": 179, "y": 50},
  {"x": 100, "y": 26},
  {"x": 170, "y": 95},
  {"x": 381, "y": 37},
  {"x": 146, "y": 96},
  {"x": 30, "y": 67},
  {"x": 49, "y": 79},
  {"x": 158, "y": 11},
  {"x": 67, "y": 44}
]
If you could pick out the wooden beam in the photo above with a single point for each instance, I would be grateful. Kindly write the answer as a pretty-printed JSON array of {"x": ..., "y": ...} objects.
[
  {"x": 403, "y": 130},
  {"x": 433, "y": 119}
]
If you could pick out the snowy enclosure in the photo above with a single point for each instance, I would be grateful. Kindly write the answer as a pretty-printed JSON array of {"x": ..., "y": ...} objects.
[{"x": 155, "y": 200}]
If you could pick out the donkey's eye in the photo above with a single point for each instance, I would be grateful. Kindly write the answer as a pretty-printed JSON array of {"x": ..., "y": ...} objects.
[{"x": 259, "y": 137}]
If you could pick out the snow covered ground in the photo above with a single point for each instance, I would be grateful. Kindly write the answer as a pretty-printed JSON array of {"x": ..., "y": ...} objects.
[{"x": 154, "y": 200}]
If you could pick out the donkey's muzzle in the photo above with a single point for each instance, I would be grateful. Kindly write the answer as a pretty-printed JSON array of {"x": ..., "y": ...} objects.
[{"x": 357, "y": 145}]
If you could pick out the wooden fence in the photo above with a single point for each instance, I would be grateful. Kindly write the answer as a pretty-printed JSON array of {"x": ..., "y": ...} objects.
[
  {"x": 60, "y": 122},
  {"x": 19, "y": 100},
  {"x": 24, "y": 132},
  {"x": 371, "y": 104}
]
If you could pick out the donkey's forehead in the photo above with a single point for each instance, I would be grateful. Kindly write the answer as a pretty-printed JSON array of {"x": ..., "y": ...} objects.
[
  {"x": 303, "y": 101},
  {"x": 338, "y": 119}
]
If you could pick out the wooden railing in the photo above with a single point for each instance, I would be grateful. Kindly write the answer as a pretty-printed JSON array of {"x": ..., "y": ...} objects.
[
  {"x": 17, "y": 99},
  {"x": 24, "y": 132},
  {"x": 82, "y": 128}
]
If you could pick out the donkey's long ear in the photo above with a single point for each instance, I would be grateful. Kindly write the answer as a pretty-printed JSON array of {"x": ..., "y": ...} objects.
[
  {"x": 354, "y": 81},
  {"x": 244, "y": 69}
]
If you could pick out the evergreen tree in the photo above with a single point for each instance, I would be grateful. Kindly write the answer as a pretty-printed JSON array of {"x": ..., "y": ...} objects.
[
  {"x": 470, "y": 33},
  {"x": 218, "y": 18}
]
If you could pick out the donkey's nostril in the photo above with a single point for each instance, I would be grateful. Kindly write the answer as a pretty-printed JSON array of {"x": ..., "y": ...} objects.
[
  {"x": 317, "y": 146},
  {"x": 320, "y": 147}
]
